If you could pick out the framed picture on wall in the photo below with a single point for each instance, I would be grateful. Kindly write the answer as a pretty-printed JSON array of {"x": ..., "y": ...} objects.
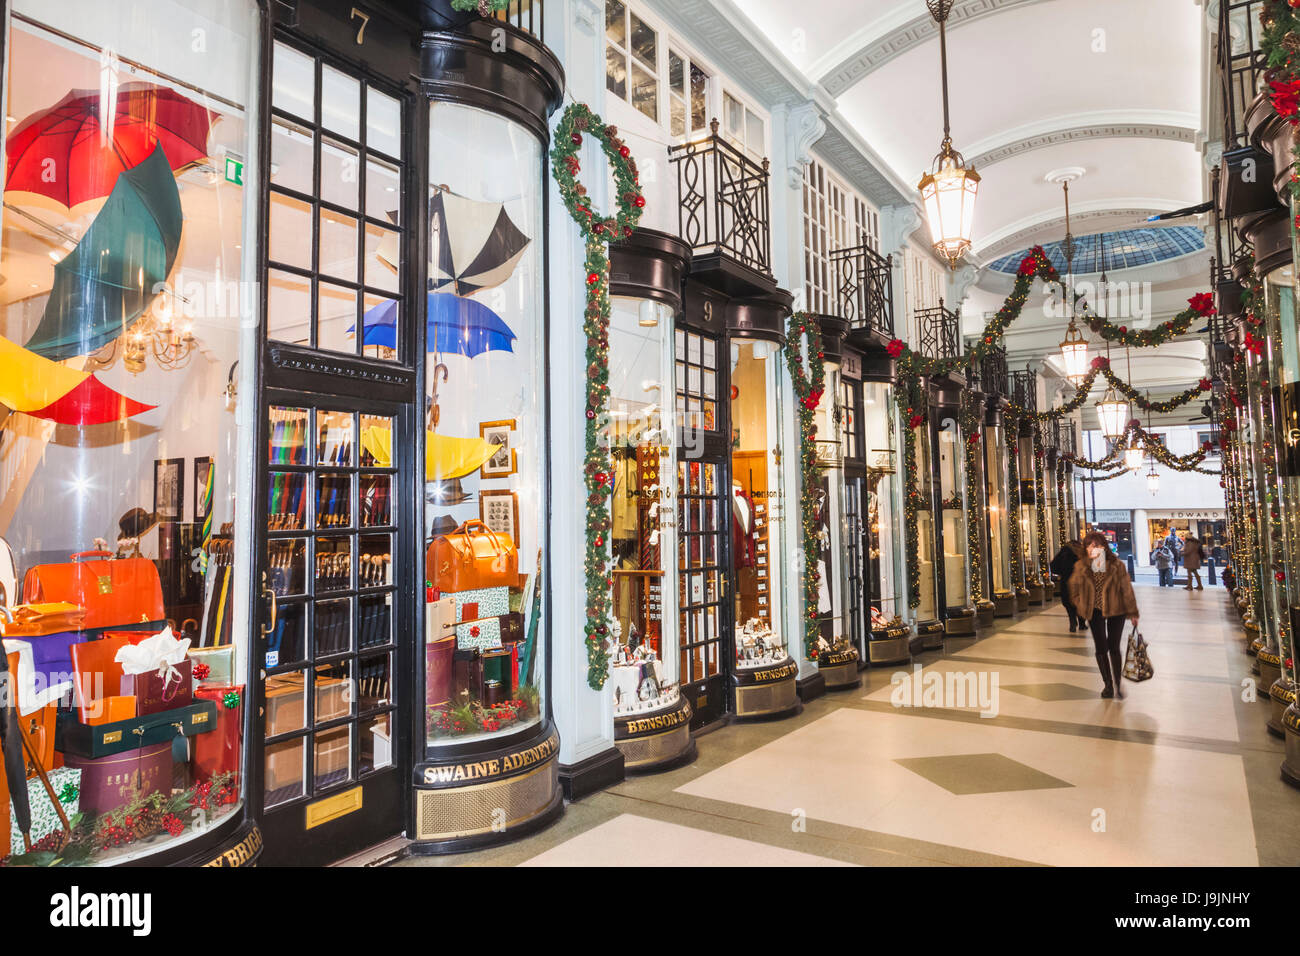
[
  {"x": 202, "y": 488},
  {"x": 168, "y": 488},
  {"x": 504, "y": 461},
  {"x": 499, "y": 510}
]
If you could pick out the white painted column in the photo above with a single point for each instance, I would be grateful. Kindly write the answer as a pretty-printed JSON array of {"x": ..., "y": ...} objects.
[
  {"x": 1141, "y": 539},
  {"x": 584, "y": 717}
]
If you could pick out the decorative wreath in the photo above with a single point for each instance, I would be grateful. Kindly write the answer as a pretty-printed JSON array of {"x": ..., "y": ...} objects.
[
  {"x": 809, "y": 391},
  {"x": 597, "y": 466}
]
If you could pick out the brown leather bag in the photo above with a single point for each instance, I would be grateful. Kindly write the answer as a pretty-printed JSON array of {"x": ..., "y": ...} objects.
[
  {"x": 471, "y": 557},
  {"x": 115, "y": 592}
]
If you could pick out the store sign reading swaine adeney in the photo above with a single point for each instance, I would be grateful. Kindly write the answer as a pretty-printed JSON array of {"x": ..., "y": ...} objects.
[{"x": 481, "y": 770}]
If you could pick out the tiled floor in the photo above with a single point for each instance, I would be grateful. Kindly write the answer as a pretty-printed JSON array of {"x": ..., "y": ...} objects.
[{"x": 1181, "y": 772}]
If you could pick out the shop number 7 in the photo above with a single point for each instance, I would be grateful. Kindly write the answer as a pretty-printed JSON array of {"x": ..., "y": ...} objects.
[{"x": 361, "y": 31}]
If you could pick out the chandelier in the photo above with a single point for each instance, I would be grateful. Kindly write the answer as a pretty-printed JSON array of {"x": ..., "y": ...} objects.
[
  {"x": 158, "y": 333},
  {"x": 949, "y": 190},
  {"x": 1074, "y": 348}
]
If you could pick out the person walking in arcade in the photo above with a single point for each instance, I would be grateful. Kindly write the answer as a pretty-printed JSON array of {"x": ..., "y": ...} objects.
[
  {"x": 1193, "y": 552},
  {"x": 1103, "y": 596}
]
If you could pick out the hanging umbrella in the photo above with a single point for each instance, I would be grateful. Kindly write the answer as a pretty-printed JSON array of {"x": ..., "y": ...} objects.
[
  {"x": 456, "y": 326},
  {"x": 472, "y": 245},
  {"x": 35, "y": 385},
  {"x": 445, "y": 456},
  {"x": 107, "y": 281},
  {"x": 87, "y": 142}
]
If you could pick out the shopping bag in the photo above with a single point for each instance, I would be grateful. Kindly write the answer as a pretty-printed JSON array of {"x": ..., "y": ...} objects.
[{"x": 1137, "y": 662}]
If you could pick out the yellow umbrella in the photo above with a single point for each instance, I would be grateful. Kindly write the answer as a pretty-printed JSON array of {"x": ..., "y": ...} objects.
[{"x": 445, "y": 457}]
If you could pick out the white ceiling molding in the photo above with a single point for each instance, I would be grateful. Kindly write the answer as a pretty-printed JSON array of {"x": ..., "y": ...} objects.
[
  {"x": 1081, "y": 127},
  {"x": 869, "y": 49}
]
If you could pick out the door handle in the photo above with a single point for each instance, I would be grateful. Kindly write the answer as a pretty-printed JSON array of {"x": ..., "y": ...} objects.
[{"x": 275, "y": 610}]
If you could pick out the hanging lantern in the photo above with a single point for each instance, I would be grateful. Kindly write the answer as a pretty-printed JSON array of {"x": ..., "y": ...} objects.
[
  {"x": 1153, "y": 479},
  {"x": 1112, "y": 413},
  {"x": 949, "y": 190},
  {"x": 1074, "y": 353},
  {"x": 1134, "y": 456}
]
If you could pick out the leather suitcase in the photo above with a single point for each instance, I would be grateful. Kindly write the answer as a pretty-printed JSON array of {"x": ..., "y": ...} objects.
[
  {"x": 471, "y": 557},
  {"x": 115, "y": 593}
]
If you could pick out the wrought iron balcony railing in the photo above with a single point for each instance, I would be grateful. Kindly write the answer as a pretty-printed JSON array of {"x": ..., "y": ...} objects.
[
  {"x": 1024, "y": 389},
  {"x": 1240, "y": 62},
  {"x": 940, "y": 332},
  {"x": 723, "y": 202},
  {"x": 993, "y": 371},
  {"x": 864, "y": 288},
  {"x": 527, "y": 15}
]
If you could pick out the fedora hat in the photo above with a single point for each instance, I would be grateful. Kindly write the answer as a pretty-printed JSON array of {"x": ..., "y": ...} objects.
[
  {"x": 445, "y": 492},
  {"x": 441, "y": 525},
  {"x": 136, "y": 522}
]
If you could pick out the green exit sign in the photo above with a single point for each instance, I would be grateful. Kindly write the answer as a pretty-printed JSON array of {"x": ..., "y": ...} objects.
[{"x": 234, "y": 171}]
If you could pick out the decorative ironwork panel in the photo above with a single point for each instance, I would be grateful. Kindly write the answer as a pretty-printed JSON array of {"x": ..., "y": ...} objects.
[
  {"x": 940, "y": 331},
  {"x": 1024, "y": 389},
  {"x": 527, "y": 15},
  {"x": 864, "y": 288},
  {"x": 1241, "y": 63},
  {"x": 993, "y": 371},
  {"x": 724, "y": 204}
]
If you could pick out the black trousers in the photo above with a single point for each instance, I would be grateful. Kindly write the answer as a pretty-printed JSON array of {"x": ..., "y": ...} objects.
[
  {"x": 1069, "y": 609},
  {"x": 1106, "y": 634}
]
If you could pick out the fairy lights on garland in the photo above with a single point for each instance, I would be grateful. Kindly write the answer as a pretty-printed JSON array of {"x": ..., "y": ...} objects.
[
  {"x": 1101, "y": 367},
  {"x": 598, "y": 231},
  {"x": 1013, "y": 502},
  {"x": 972, "y": 420},
  {"x": 1278, "y": 43},
  {"x": 1060, "y": 503},
  {"x": 1040, "y": 507},
  {"x": 808, "y": 388},
  {"x": 912, "y": 367}
]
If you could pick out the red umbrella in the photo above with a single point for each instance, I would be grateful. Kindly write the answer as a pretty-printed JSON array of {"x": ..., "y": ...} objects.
[{"x": 66, "y": 153}]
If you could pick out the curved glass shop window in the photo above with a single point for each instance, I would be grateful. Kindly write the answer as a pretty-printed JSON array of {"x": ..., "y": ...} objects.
[
  {"x": 1050, "y": 513},
  {"x": 995, "y": 452},
  {"x": 1284, "y": 348},
  {"x": 640, "y": 357},
  {"x": 928, "y": 609},
  {"x": 1028, "y": 488},
  {"x": 757, "y": 555},
  {"x": 485, "y": 458},
  {"x": 952, "y": 493},
  {"x": 127, "y": 347},
  {"x": 883, "y": 542}
]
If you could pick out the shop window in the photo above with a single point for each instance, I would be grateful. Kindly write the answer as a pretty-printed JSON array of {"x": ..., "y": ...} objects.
[
  {"x": 882, "y": 522},
  {"x": 696, "y": 379},
  {"x": 640, "y": 331},
  {"x": 952, "y": 492},
  {"x": 334, "y": 246},
  {"x": 128, "y": 330},
  {"x": 485, "y": 461},
  {"x": 757, "y": 521},
  {"x": 688, "y": 95},
  {"x": 743, "y": 128},
  {"x": 631, "y": 59}
]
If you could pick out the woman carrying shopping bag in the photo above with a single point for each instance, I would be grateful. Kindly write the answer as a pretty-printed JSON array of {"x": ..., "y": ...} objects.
[{"x": 1103, "y": 596}]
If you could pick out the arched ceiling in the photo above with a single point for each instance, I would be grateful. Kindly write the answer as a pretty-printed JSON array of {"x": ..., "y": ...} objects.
[{"x": 1115, "y": 87}]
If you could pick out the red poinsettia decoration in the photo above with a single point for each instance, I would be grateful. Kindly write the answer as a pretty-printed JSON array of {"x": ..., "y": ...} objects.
[
  {"x": 973, "y": 437},
  {"x": 1203, "y": 303},
  {"x": 1029, "y": 264},
  {"x": 895, "y": 348},
  {"x": 1207, "y": 446},
  {"x": 1101, "y": 362},
  {"x": 1280, "y": 575},
  {"x": 1205, "y": 384},
  {"x": 1285, "y": 97},
  {"x": 915, "y": 421}
]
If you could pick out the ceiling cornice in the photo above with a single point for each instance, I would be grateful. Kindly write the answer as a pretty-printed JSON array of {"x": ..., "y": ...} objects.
[
  {"x": 869, "y": 49},
  {"x": 982, "y": 156}
]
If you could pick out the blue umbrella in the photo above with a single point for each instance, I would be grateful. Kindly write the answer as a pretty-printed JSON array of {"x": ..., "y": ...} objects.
[{"x": 456, "y": 325}]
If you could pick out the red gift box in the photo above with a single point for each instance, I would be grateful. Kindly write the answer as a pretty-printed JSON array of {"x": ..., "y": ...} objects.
[
  {"x": 155, "y": 693},
  {"x": 108, "y": 783},
  {"x": 219, "y": 751}
]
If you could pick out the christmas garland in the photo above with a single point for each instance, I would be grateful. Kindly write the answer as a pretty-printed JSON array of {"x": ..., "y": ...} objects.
[
  {"x": 1278, "y": 42},
  {"x": 972, "y": 429},
  {"x": 1061, "y": 510},
  {"x": 911, "y": 502},
  {"x": 484, "y": 7},
  {"x": 597, "y": 231},
  {"x": 808, "y": 389},
  {"x": 1013, "y": 502},
  {"x": 1040, "y": 508}
]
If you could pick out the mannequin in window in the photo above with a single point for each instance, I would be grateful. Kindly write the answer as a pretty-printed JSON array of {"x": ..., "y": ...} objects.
[{"x": 742, "y": 512}]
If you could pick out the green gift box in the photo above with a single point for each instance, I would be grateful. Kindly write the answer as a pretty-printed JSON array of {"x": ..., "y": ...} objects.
[{"x": 66, "y": 782}]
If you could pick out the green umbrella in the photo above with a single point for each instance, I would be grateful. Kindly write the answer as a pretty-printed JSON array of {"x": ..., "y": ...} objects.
[{"x": 107, "y": 281}]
